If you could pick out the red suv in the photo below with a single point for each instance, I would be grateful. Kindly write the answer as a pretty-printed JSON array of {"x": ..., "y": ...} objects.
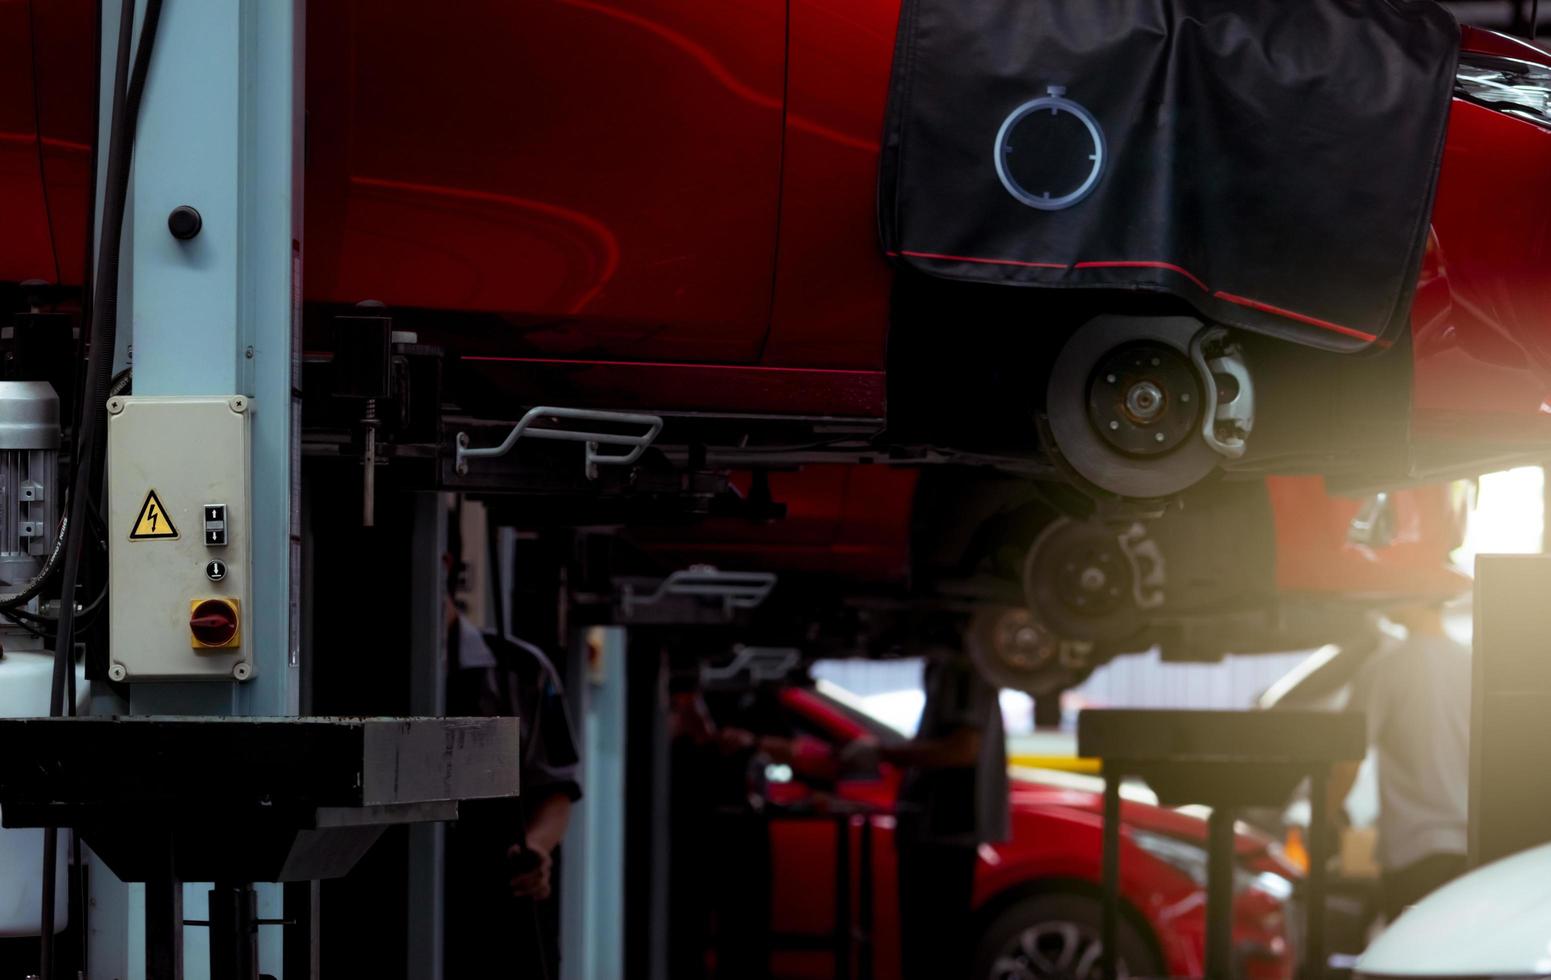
[{"x": 1036, "y": 895}]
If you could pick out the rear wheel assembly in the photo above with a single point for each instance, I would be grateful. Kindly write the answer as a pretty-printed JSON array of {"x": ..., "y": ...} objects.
[
  {"x": 1090, "y": 581},
  {"x": 1012, "y": 649}
]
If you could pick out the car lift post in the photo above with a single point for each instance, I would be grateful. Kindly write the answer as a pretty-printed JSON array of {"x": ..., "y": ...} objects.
[
  {"x": 219, "y": 131},
  {"x": 1510, "y": 716}
]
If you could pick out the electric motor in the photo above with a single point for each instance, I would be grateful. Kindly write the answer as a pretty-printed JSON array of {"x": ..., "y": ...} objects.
[{"x": 29, "y": 503}]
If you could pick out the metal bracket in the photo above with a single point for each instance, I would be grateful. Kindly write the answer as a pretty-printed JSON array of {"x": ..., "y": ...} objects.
[
  {"x": 1147, "y": 587},
  {"x": 1374, "y": 523},
  {"x": 635, "y": 443},
  {"x": 736, "y": 590},
  {"x": 762, "y": 664},
  {"x": 1226, "y": 423}
]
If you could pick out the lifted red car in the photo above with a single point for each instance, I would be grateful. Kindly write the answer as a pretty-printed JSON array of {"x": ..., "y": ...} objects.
[{"x": 669, "y": 208}]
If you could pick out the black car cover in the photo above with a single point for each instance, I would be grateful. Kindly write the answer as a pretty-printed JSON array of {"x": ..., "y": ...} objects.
[{"x": 1271, "y": 162}]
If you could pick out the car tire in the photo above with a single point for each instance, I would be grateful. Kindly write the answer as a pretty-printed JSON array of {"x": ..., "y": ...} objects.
[{"x": 1055, "y": 935}]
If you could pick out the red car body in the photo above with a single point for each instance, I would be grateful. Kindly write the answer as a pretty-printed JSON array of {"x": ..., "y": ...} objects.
[
  {"x": 1055, "y": 846},
  {"x": 671, "y": 206}
]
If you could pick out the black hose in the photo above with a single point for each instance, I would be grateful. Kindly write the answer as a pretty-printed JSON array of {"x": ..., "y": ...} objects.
[
  {"x": 128, "y": 87},
  {"x": 15, "y": 600},
  {"x": 37, "y": 124},
  {"x": 92, "y": 447}
]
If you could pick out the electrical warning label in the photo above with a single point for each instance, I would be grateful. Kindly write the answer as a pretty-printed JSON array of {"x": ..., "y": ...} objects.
[{"x": 153, "y": 522}]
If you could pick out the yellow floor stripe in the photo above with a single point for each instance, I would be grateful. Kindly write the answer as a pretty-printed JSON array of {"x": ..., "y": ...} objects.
[{"x": 1062, "y": 763}]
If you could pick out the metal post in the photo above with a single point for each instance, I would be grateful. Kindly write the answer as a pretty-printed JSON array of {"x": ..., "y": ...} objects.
[
  {"x": 216, "y": 314},
  {"x": 301, "y": 930},
  {"x": 427, "y": 697},
  {"x": 220, "y": 131},
  {"x": 864, "y": 904},
  {"x": 233, "y": 932},
  {"x": 164, "y": 929},
  {"x": 1314, "y": 960},
  {"x": 843, "y": 897},
  {"x": 1219, "y": 894},
  {"x": 592, "y": 928},
  {"x": 1110, "y": 928}
]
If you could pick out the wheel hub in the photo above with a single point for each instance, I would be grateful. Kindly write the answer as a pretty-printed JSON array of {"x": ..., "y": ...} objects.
[
  {"x": 1144, "y": 399},
  {"x": 1091, "y": 581},
  {"x": 1079, "y": 581},
  {"x": 1014, "y": 650},
  {"x": 1021, "y": 644}
]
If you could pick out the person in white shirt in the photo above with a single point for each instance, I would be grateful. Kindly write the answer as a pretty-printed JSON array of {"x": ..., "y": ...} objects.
[{"x": 1415, "y": 693}]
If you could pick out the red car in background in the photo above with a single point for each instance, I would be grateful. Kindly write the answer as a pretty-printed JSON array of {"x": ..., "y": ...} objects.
[
  {"x": 1036, "y": 895},
  {"x": 670, "y": 208}
]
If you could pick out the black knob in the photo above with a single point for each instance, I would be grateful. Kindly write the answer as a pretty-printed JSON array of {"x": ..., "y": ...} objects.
[{"x": 184, "y": 222}]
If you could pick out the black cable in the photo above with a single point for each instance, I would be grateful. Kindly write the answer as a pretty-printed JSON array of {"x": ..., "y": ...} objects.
[
  {"x": 1534, "y": 19},
  {"x": 128, "y": 88},
  {"x": 22, "y": 615},
  {"x": 91, "y": 447},
  {"x": 17, "y": 600},
  {"x": 11, "y": 618}
]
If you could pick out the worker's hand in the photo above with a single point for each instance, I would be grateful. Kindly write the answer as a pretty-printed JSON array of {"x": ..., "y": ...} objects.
[
  {"x": 814, "y": 760},
  {"x": 531, "y": 870},
  {"x": 861, "y": 756},
  {"x": 734, "y": 740}
]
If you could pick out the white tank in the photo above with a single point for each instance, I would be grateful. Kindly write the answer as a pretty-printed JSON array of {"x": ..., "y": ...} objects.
[
  {"x": 24, "y": 688},
  {"x": 1493, "y": 922}
]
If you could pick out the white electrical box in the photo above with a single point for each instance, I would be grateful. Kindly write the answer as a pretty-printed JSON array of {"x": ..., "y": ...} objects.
[{"x": 179, "y": 575}]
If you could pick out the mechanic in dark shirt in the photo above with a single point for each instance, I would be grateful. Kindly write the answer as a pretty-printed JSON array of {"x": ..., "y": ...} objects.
[
  {"x": 952, "y": 800},
  {"x": 501, "y": 860}
]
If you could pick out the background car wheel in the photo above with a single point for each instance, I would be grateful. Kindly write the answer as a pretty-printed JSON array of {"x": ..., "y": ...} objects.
[
  {"x": 1056, "y": 937},
  {"x": 1083, "y": 584}
]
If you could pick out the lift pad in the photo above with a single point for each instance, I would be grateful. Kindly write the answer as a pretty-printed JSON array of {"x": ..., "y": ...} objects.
[{"x": 246, "y": 799}]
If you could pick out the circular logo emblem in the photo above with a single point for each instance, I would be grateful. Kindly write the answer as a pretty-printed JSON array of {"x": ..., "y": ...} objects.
[{"x": 1050, "y": 152}]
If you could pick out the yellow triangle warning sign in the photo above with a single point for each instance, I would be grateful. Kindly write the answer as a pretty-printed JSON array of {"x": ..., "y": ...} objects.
[{"x": 153, "y": 522}]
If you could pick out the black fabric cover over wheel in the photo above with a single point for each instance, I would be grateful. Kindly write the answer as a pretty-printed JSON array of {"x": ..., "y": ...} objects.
[
  {"x": 1271, "y": 163},
  {"x": 1055, "y": 936}
]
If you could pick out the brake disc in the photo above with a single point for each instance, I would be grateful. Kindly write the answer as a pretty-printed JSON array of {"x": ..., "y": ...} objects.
[{"x": 1125, "y": 406}]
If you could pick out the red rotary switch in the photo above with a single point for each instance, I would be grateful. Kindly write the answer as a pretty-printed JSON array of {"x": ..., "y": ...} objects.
[{"x": 213, "y": 624}]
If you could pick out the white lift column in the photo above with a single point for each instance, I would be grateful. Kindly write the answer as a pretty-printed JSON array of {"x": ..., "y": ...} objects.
[{"x": 218, "y": 314}]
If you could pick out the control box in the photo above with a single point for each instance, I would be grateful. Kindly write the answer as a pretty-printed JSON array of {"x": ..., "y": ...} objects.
[{"x": 179, "y": 575}]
